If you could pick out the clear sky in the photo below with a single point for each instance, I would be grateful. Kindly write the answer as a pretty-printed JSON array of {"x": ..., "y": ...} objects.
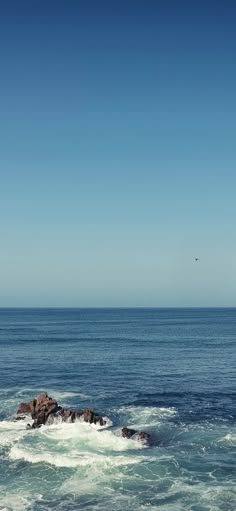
[{"x": 117, "y": 153}]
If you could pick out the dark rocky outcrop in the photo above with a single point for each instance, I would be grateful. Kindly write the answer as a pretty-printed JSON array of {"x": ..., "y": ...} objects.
[
  {"x": 40, "y": 409},
  {"x": 45, "y": 410},
  {"x": 27, "y": 408},
  {"x": 131, "y": 433},
  {"x": 89, "y": 416},
  {"x": 128, "y": 433},
  {"x": 142, "y": 435}
]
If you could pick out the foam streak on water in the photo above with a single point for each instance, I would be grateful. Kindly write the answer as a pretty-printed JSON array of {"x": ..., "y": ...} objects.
[{"x": 170, "y": 372}]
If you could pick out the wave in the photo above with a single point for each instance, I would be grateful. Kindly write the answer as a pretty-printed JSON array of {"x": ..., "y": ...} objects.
[
  {"x": 145, "y": 416},
  {"x": 71, "y": 445},
  {"x": 230, "y": 438},
  {"x": 75, "y": 460},
  {"x": 87, "y": 463},
  {"x": 12, "y": 431},
  {"x": 58, "y": 395},
  {"x": 15, "y": 502}
]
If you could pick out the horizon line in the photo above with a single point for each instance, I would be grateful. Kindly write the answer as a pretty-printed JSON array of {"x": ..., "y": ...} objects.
[{"x": 120, "y": 307}]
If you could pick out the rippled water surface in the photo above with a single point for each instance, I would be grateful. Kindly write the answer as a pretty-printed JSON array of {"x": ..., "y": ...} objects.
[{"x": 170, "y": 372}]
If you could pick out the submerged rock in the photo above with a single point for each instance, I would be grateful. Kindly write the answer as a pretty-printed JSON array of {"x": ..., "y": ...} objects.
[
  {"x": 142, "y": 435},
  {"x": 132, "y": 433},
  {"x": 128, "y": 433}
]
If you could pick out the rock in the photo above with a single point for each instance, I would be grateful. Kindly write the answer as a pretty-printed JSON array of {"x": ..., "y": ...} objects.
[
  {"x": 26, "y": 408},
  {"x": 20, "y": 417},
  {"x": 139, "y": 435},
  {"x": 143, "y": 436},
  {"x": 127, "y": 432},
  {"x": 45, "y": 410},
  {"x": 89, "y": 416},
  {"x": 67, "y": 415},
  {"x": 39, "y": 409},
  {"x": 45, "y": 403},
  {"x": 23, "y": 409},
  {"x": 44, "y": 407}
]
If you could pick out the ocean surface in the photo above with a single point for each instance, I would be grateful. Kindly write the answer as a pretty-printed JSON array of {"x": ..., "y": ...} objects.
[{"x": 170, "y": 372}]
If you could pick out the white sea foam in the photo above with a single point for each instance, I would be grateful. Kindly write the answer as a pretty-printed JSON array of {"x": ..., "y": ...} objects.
[
  {"x": 111, "y": 480},
  {"x": 58, "y": 395},
  {"x": 73, "y": 459},
  {"x": 83, "y": 435},
  {"x": 14, "y": 502},
  {"x": 146, "y": 416},
  {"x": 230, "y": 437},
  {"x": 26, "y": 394},
  {"x": 12, "y": 431},
  {"x": 73, "y": 445},
  {"x": 108, "y": 423},
  {"x": 55, "y": 394}
]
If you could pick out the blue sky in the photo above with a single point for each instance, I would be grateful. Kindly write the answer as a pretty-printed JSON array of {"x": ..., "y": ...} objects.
[{"x": 117, "y": 153}]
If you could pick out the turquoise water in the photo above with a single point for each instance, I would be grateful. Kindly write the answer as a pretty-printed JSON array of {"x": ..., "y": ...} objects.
[{"x": 170, "y": 372}]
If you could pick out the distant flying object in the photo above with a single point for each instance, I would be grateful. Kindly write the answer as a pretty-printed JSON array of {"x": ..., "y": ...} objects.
[{"x": 196, "y": 259}]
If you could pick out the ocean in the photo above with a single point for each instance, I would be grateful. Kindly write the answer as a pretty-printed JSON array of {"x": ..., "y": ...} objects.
[{"x": 169, "y": 372}]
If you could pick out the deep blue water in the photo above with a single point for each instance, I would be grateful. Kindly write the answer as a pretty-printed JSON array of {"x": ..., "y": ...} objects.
[{"x": 170, "y": 372}]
